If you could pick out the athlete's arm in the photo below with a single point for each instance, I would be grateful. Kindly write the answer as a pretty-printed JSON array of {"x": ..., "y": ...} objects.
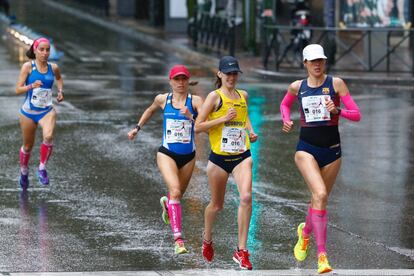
[
  {"x": 252, "y": 135},
  {"x": 24, "y": 73},
  {"x": 159, "y": 102},
  {"x": 59, "y": 82},
  {"x": 351, "y": 111},
  {"x": 210, "y": 104},
  {"x": 286, "y": 104}
]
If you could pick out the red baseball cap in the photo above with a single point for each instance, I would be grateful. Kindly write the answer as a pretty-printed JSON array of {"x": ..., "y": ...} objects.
[{"x": 177, "y": 70}]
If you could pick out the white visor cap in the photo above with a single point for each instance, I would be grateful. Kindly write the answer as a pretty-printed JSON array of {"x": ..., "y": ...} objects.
[{"x": 313, "y": 51}]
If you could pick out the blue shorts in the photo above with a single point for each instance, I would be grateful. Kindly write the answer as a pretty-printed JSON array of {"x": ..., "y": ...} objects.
[
  {"x": 228, "y": 162},
  {"x": 323, "y": 156},
  {"x": 35, "y": 117}
]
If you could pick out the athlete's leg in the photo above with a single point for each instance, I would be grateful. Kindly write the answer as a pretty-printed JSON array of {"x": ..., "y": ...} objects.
[
  {"x": 329, "y": 174},
  {"x": 242, "y": 174},
  {"x": 48, "y": 123},
  {"x": 217, "y": 180},
  {"x": 28, "y": 128},
  {"x": 312, "y": 175},
  {"x": 169, "y": 172},
  {"x": 184, "y": 175}
]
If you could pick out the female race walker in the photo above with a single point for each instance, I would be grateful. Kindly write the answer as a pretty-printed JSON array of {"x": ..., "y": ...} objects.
[
  {"x": 318, "y": 153},
  {"x": 224, "y": 116},
  {"x": 176, "y": 156},
  {"x": 36, "y": 81}
]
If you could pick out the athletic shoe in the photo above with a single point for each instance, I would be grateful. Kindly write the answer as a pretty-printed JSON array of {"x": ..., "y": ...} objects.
[
  {"x": 43, "y": 178},
  {"x": 208, "y": 250},
  {"x": 180, "y": 248},
  {"x": 323, "y": 264},
  {"x": 164, "y": 203},
  {"x": 24, "y": 181},
  {"x": 241, "y": 256},
  {"x": 301, "y": 248}
]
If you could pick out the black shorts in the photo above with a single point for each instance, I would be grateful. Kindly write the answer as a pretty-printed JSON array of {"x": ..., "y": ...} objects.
[
  {"x": 228, "y": 162},
  {"x": 180, "y": 159}
]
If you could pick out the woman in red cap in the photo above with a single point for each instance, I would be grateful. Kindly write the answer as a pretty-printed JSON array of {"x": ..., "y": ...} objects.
[
  {"x": 176, "y": 155},
  {"x": 36, "y": 81},
  {"x": 224, "y": 116},
  {"x": 318, "y": 152}
]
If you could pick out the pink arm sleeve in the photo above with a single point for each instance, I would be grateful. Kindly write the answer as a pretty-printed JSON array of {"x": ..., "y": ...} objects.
[
  {"x": 352, "y": 111},
  {"x": 285, "y": 105}
]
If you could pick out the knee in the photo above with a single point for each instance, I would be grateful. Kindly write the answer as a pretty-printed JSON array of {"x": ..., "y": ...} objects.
[
  {"x": 320, "y": 198},
  {"x": 246, "y": 199},
  {"x": 216, "y": 207}
]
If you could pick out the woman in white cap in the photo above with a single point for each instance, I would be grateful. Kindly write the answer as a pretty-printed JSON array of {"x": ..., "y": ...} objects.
[
  {"x": 318, "y": 152},
  {"x": 224, "y": 116},
  {"x": 176, "y": 155}
]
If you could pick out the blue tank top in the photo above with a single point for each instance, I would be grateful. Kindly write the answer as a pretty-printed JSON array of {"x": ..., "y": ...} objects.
[
  {"x": 312, "y": 104},
  {"x": 40, "y": 99},
  {"x": 178, "y": 130}
]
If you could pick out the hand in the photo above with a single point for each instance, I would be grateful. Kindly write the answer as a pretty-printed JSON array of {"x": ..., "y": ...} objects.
[
  {"x": 132, "y": 133},
  {"x": 231, "y": 114},
  {"x": 37, "y": 84},
  {"x": 287, "y": 126},
  {"x": 60, "y": 96},
  {"x": 253, "y": 137},
  {"x": 330, "y": 106},
  {"x": 186, "y": 112}
]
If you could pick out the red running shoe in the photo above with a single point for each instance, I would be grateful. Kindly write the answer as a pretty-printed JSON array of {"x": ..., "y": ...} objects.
[
  {"x": 241, "y": 256},
  {"x": 208, "y": 250}
]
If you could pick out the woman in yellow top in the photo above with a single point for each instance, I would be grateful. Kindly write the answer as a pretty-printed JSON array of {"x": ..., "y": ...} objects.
[{"x": 224, "y": 116}]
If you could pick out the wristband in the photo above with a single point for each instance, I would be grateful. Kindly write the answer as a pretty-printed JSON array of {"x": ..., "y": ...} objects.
[
  {"x": 138, "y": 127},
  {"x": 29, "y": 87}
]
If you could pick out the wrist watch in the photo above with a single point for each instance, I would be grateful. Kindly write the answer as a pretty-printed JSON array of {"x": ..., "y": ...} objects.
[{"x": 339, "y": 110}]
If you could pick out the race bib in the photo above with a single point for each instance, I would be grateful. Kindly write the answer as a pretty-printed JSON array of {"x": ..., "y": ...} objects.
[
  {"x": 315, "y": 110},
  {"x": 178, "y": 131},
  {"x": 41, "y": 97},
  {"x": 233, "y": 140}
]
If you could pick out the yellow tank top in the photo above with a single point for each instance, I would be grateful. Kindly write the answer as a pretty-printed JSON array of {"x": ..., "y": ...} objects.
[{"x": 230, "y": 138}]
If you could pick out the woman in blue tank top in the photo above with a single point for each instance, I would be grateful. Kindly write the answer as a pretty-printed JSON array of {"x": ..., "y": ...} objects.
[
  {"x": 175, "y": 157},
  {"x": 36, "y": 82}
]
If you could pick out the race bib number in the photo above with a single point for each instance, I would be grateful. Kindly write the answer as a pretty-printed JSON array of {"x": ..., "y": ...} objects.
[
  {"x": 233, "y": 140},
  {"x": 315, "y": 110},
  {"x": 41, "y": 97},
  {"x": 178, "y": 131}
]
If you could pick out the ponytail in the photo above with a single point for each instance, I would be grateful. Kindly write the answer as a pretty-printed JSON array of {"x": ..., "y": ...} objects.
[
  {"x": 30, "y": 53},
  {"x": 218, "y": 83}
]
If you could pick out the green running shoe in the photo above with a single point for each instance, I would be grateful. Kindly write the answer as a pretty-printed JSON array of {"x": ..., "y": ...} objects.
[
  {"x": 164, "y": 204},
  {"x": 302, "y": 246}
]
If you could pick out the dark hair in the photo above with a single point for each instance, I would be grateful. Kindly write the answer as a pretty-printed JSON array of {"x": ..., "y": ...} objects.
[
  {"x": 218, "y": 82},
  {"x": 30, "y": 53},
  {"x": 193, "y": 83}
]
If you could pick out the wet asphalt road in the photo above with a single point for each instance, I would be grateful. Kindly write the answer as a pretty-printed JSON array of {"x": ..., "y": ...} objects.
[{"x": 101, "y": 211}]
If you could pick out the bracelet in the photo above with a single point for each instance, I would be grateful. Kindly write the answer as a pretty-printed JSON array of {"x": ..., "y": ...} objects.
[
  {"x": 30, "y": 86},
  {"x": 138, "y": 127}
]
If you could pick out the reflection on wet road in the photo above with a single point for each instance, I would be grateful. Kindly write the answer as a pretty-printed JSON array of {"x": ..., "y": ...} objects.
[{"x": 101, "y": 211}]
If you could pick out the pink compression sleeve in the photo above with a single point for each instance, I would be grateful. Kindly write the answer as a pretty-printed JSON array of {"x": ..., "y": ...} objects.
[
  {"x": 352, "y": 111},
  {"x": 285, "y": 105}
]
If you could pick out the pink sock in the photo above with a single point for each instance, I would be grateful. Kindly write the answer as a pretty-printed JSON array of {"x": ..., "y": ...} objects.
[
  {"x": 24, "y": 161},
  {"x": 307, "y": 230},
  {"x": 45, "y": 152},
  {"x": 174, "y": 212},
  {"x": 319, "y": 222}
]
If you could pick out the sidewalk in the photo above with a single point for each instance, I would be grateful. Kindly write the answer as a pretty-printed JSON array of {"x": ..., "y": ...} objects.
[{"x": 251, "y": 65}]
